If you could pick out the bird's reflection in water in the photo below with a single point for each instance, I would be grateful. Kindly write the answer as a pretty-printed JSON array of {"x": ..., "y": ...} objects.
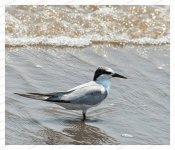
[
  {"x": 74, "y": 132},
  {"x": 48, "y": 136},
  {"x": 82, "y": 133},
  {"x": 70, "y": 129}
]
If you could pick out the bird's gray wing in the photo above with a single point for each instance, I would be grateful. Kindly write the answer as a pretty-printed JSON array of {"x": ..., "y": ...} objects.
[
  {"x": 91, "y": 83},
  {"x": 43, "y": 96},
  {"x": 90, "y": 94},
  {"x": 50, "y": 96}
]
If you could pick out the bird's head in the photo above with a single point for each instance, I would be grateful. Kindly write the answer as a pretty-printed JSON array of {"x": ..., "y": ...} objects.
[{"x": 105, "y": 73}]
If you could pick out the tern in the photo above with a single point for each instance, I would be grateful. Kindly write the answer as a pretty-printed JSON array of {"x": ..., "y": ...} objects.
[{"x": 84, "y": 96}]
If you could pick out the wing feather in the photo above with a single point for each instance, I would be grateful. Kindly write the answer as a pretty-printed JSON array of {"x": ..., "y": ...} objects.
[{"x": 89, "y": 93}]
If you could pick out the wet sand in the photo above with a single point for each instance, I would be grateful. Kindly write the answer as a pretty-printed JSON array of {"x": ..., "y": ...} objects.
[{"x": 136, "y": 111}]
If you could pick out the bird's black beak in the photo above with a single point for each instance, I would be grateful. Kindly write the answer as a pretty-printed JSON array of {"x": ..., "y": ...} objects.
[{"x": 119, "y": 76}]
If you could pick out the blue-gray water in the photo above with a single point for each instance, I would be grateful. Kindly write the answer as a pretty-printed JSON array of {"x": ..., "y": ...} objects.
[
  {"x": 135, "y": 112},
  {"x": 55, "y": 48}
]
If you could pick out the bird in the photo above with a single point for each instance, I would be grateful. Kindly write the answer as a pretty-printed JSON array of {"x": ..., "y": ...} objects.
[{"x": 84, "y": 96}]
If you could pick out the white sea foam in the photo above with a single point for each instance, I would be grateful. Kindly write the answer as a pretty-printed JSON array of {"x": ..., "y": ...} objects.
[
  {"x": 127, "y": 135},
  {"x": 80, "y": 26},
  {"x": 79, "y": 42},
  {"x": 54, "y": 41}
]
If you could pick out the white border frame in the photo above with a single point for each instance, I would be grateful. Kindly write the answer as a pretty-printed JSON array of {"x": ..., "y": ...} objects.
[{"x": 86, "y": 2}]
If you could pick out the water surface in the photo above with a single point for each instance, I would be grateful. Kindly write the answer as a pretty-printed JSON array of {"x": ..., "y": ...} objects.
[
  {"x": 138, "y": 106},
  {"x": 55, "y": 48}
]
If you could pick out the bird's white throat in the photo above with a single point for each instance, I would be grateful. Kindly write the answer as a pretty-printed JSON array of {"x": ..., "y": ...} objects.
[{"x": 105, "y": 82}]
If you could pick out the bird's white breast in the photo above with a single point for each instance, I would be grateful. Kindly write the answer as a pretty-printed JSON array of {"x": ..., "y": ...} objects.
[{"x": 106, "y": 84}]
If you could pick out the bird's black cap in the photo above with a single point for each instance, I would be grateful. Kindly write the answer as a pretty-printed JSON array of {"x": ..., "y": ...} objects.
[
  {"x": 106, "y": 70},
  {"x": 100, "y": 71}
]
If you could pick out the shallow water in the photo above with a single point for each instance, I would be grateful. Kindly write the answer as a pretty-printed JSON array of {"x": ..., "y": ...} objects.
[
  {"x": 55, "y": 48},
  {"x": 135, "y": 112}
]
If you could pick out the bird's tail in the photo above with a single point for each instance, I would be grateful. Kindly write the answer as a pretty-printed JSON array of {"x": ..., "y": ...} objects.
[
  {"x": 37, "y": 96},
  {"x": 45, "y": 96}
]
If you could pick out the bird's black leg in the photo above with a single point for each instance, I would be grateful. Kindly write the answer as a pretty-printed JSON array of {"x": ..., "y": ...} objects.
[{"x": 84, "y": 116}]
